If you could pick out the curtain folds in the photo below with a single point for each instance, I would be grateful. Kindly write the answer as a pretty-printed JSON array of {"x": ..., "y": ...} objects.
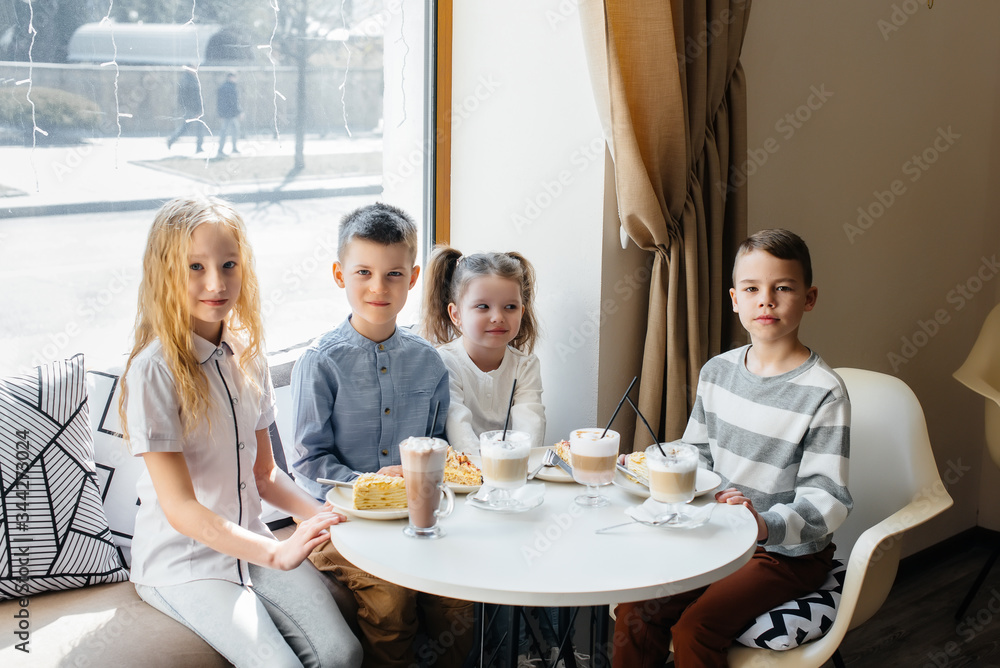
[{"x": 671, "y": 93}]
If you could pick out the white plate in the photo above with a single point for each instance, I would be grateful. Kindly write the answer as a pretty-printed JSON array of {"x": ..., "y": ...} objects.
[
  {"x": 529, "y": 496},
  {"x": 341, "y": 498},
  {"x": 462, "y": 489},
  {"x": 706, "y": 481}
]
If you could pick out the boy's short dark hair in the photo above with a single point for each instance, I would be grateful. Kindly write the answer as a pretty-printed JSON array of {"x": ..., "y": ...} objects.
[
  {"x": 381, "y": 223},
  {"x": 780, "y": 243}
]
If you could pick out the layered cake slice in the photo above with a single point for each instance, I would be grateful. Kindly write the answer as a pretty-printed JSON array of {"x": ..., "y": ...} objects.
[
  {"x": 458, "y": 470},
  {"x": 636, "y": 462},
  {"x": 374, "y": 491}
]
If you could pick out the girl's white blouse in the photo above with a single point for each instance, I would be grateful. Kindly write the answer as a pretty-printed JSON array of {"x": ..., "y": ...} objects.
[
  {"x": 479, "y": 399},
  {"x": 219, "y": 452}
]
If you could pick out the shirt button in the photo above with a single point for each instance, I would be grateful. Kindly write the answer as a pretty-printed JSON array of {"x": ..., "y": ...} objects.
[
  {"x": 386, "y": 411},
  {"x": 381, "y": 347},
  {"x": 242, "y": 445},
  {"x": 383, "y": 369},
  {"x": 243, "y": 485},
  {"x": 218, "y": 352},
  {"x": 385, "y": 452},
  {"x": 235, "y": 401}
]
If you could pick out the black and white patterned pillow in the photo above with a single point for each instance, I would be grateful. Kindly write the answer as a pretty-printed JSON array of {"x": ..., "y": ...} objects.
[
  {"x": 53, "y": 530},
  {"x": 117, "y": 470},
  {"x": 799, "y": 621}
]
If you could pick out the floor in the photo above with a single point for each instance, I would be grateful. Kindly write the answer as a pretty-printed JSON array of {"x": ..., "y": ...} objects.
[{"x": 916, "y": 626}]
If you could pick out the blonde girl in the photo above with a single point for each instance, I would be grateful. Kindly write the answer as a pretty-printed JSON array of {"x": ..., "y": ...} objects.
[
  {"x": 480, "y": 310},
  {"x": 196, "y": 404}
]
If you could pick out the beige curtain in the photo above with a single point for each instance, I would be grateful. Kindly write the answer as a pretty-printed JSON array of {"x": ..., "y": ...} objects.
[{"x": 671, "y": 91}]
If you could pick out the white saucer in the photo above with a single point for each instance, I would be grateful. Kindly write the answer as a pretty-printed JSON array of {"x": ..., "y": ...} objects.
[
  {"x": 705, "y": 482},
  {"x": 651, "y": 512},
  {"x": 529, "y": 496}
]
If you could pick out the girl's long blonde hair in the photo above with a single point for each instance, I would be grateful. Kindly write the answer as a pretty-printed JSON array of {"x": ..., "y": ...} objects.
[
  {"x": 163, "y": 312},
  {"x": 447, "y": 278}
]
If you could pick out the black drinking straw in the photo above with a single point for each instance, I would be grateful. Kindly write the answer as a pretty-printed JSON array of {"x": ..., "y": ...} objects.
[
  {"x": 434, "y": 421},
  {"x": 509, "y": 406},
  {"x": 655, "y": 440},
  {"x": 619, "y": 407}
]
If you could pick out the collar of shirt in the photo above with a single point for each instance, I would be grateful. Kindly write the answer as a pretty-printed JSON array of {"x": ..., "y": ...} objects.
[
  {"x": 351, "y": 336},
  {"x": 204, "y": 349}
]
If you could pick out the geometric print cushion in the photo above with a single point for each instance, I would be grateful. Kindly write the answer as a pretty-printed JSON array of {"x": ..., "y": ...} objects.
[
  {"x": 117, "y": 470},
  {"x": 804, "y": 619},
  {"x": 53, "y": 530}
]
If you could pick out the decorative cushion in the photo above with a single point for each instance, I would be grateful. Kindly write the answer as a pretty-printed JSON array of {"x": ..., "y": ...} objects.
[
  {"x": 53, "y": 531},
  {"x": 117, "y": 470},
  {"x": 799, "y": 621}
]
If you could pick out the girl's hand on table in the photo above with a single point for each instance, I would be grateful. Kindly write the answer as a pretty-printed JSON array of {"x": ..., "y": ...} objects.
[
  {"x": 396, "y": 471},
  {"x": 733, "y": 496}
]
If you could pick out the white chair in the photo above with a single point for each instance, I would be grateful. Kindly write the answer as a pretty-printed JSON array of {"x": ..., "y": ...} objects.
[
  {"x": 981, "y": 374},
  {"x": 895, "y": 485}
]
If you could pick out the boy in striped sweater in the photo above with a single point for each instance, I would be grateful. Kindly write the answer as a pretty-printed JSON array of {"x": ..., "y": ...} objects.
[{"x": 773, "y": 420}]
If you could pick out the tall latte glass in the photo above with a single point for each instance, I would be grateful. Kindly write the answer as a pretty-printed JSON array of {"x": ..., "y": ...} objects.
[
  {"x": 672, "y": 475},
  {"x": 505, "y": 464},
  {"x": 423, "y": 469},
  {"x": 593, "y": 460}
]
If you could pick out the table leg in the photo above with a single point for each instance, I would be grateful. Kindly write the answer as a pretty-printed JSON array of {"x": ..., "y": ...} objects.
[
  {"x": 599, "y": 628},
  {"x": 513, "y": 613}
]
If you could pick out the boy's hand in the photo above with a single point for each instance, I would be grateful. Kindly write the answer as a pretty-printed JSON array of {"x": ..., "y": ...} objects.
[
  {"x": 391, "y": 470},
  {"x": 733, "y": 496}
]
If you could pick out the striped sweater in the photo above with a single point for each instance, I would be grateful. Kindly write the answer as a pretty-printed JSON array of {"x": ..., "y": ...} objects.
[{"x": 784, "y": 441}]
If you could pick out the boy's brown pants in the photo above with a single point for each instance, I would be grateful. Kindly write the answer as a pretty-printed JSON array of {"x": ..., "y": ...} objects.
[
  {"x": 704, "y": 622},
  {"x": 387, "y": 616}
]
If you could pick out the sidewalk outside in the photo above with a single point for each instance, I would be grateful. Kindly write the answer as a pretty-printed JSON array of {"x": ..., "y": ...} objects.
[{"x": 112, "y": 174}]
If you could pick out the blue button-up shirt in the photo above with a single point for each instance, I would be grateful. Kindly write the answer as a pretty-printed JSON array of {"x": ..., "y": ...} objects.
[{"x": 355, "y": 400}]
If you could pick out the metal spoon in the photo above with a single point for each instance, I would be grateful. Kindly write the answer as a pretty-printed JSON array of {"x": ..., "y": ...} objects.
[{"x": 663, "y": 519}]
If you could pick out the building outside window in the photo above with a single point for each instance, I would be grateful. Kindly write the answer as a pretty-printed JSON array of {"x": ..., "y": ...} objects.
[{"x": 98, "y": 128}]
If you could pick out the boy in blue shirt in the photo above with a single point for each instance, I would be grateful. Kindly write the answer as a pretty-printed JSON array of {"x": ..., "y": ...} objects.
[{"x": 358, "y": 391}]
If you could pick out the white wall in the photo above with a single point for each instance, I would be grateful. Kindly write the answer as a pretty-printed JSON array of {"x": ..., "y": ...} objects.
[
  {"x": 897, "y": 80},
  {"x": 528, "y": 168}
]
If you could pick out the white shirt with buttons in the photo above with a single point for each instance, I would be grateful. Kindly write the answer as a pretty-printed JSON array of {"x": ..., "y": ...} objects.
[
  {"x": 479, "y": 399},
  {"x": 220, "y": 454}
]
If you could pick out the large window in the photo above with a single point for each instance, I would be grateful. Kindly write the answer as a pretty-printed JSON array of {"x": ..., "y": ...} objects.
[{"x": 98, "y": 128}]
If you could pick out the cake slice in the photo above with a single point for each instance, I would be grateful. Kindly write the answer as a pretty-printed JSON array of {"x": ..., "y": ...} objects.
[
  {"x": 374, "y": 491},
  {"x": 458, "y": 470},
  {"x": 636, "y": 462}
]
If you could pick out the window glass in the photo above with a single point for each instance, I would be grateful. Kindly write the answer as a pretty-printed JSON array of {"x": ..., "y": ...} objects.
[{"x": 106, "y": 115}]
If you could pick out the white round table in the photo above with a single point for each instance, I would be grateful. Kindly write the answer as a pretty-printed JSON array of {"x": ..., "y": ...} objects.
[{"x": 550, "y": 555}]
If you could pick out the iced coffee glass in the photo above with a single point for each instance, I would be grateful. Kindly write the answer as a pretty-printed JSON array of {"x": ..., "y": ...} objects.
[
  {"x": 423, "y": 469},
  {"x": 593, "y": 458},
  {"x": 504, "y": 463},
  {"x": 673, "y": 470}
]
